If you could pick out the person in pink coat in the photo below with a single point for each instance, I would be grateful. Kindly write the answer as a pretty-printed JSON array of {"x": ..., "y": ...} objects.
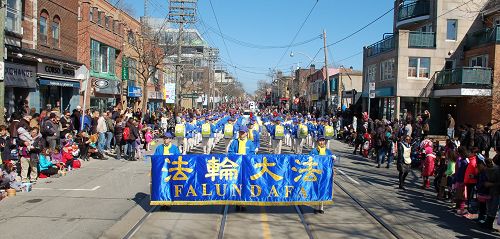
[{"x": 428, "y": 167}]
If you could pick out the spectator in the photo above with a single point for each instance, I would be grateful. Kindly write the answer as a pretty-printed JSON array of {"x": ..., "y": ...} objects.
[
  {"x": 450, "y": 127},
  {"x": 51, "y": 131},
  {"x": 119, "y": 126},
  {"x": 67, "y": 125},
  {"x": 101, "y": 129},
  {"x": 110, "y": 126}
]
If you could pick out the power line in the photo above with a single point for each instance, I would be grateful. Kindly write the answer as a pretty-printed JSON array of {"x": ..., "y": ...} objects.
[
  {"x": 297, "y": 33},
  {"x": 258, "y": 46},
  {"x": 361, "y": 29},
  {"x": 223, "y": 39},
  {"x": 349, "y": 57},
  {"x": 451, "y": 10}
]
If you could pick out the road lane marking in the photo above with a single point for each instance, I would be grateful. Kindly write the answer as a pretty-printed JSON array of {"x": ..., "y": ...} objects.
[
  {"x": 69, "y": 189},
  {"x": 342, "y": 172},
  {"x": 266, "y": 232}
]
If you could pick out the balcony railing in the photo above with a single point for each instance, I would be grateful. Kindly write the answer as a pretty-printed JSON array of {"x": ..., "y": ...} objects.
[
  {"x": 483, "y": 36},
  {"x": 466, "y": 76},
  {"x": 415, "y": 9},
  {"x": 422, "y": 40},
  {"x": 385, "y": 45}
]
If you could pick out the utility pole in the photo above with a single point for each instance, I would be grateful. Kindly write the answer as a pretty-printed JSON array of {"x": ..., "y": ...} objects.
[
  {"x": 3, "y": 9},
  {"x": 328, "y": 95},
  {"x": 181, "y": 12}
]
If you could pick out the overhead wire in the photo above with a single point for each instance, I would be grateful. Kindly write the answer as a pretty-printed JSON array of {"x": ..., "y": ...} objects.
[
  {"x": 297, "y": 33},
  {"x": 223, "y": 39}
]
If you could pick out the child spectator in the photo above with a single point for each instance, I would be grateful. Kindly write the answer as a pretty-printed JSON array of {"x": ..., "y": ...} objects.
[
  {"x": 148, "y": 137},
  {"x": 67, "y": 155},
  {"x": 459, "y": 185},
  {"x": 46, "y": 167}
]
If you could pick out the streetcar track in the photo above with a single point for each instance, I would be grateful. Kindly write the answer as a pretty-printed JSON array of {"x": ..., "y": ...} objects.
[
  {"x": 370, "y": 212},
  {"x": 141, "y": 222},
  {"x": 223, "y": 223},
  {"x": 303, "y": 220}
]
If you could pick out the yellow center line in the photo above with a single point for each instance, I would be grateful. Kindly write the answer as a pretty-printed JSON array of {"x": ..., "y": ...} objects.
[{"x": 266, "y": 232}]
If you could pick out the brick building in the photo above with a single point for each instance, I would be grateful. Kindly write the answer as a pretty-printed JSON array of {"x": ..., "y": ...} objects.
[
  {"x": 101, "y": 34},
  {"x": 41, "y": 56}
]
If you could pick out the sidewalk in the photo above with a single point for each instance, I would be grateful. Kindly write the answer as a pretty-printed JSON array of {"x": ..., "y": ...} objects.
[
  {"x": 414, "y": 210},
  {"x": 82, "y": 204}
]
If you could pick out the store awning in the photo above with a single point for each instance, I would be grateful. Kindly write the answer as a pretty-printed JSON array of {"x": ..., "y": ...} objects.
[{"x": 61, "y": 83}]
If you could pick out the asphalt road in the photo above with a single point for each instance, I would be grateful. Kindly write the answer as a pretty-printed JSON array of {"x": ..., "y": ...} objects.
[{"x": 109, "y": 199}]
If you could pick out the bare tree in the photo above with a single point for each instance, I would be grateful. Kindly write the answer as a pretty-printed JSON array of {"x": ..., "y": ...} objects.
[
  {"x": 125, "y": 7},
  {"x": 150, "y": 57}
]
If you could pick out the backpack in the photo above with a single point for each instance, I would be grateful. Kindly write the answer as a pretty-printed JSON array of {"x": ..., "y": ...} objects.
[{"x": 126, "y": 133}]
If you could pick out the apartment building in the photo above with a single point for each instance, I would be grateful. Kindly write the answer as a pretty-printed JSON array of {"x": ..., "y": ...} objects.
[{"x": 411, "y": 66}]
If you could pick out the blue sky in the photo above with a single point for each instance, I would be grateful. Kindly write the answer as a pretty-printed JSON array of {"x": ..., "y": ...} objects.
[{"x": 275, "y": 22}]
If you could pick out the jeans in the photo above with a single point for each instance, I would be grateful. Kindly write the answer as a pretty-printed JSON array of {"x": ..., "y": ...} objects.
[
  {"x": 118, "y": 148},
  {"x": 109, "y": 137},
  {"x": 130, "y": 149},
  {"x": 381, "y": 155},
  {"x": 101, "y": 143},
  {"x": 450, "y": 132}
]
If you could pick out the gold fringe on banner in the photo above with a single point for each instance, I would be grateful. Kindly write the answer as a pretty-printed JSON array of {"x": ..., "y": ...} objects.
[{"x": 236, "y": 203}]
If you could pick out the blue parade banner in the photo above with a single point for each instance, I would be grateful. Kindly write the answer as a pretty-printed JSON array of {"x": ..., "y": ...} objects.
[{"x": 259, "y": 180}]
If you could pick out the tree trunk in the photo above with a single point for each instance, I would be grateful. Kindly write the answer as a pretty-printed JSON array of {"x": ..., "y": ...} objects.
[{"x": 144, "y": 97}]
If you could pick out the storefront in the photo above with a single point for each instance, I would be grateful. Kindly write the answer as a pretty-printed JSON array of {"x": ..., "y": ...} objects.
[
  {"x": 155, "y": 100},
  {"x": 20, "y": 85},
  {"x": 106, "y": 94},
  {"x": 58, "y": 87}
]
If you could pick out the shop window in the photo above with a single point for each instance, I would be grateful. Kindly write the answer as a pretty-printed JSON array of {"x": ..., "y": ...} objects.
[
  {"x": 56, "y": 29},
  {"x": 419, "y": 67},
  {"x": 387, "y": 69},
  {"x": 451, "y": 29},
  {"x": 479, "y": 61},
  {"x": 14, "y": 16},
  {"x": 44, "y": 15}
]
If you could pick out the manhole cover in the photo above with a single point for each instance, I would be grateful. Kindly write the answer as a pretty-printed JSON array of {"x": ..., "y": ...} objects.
[{"x": 34, "y": 200}]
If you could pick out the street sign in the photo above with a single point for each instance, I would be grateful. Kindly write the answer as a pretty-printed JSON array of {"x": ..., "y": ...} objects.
[
  {"x": 372, "y": 85},
  {"x": 372, "y": 95}
]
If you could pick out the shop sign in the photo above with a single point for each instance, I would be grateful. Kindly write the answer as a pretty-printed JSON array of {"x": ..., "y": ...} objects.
[
  {"x": 134, "y": 91},
  {"x": 71, "y": 84},
  {"x": 101, "y": 83},
  {"x": 17, "y": 75},
  {"x": 169, "y": 93},
  {"x": 104, "y": 86},
  {"x": 56, "y": 70}
]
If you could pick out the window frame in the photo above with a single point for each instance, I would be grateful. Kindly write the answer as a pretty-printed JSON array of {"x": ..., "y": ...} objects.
[
  {"x": 448, "y": 29},
  {"x": 15, "y": 15},
  {"x": 56, "y": 21},
  {"x": 43, "y": 35},
  {"x": 384, "y": 71},
  {"x": 106, "y": 22},
  {"x": 371, "y": 73},
  {"x": 484, "y": 59},
  {"x": 99, "y": 17},
  {"x": 419, "y": 68}
]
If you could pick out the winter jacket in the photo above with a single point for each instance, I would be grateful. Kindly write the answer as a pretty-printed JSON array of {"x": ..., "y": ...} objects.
[{"x": 470, "y": 176}]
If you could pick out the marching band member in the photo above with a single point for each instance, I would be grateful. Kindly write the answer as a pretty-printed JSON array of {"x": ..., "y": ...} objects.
[
  {"x": 242, "y": 145},
  {"x": 180, "y": 135},
  {"x": 254, "y": 135},
  {"x": 167, "y": 148},
  {"x": 301, "y": 135},
  {"x": 229, "y": 129},
  {"x": 277, "y": 132},
  {"x": 207, "y": 132},
  {"x": 321, "y": 149}
]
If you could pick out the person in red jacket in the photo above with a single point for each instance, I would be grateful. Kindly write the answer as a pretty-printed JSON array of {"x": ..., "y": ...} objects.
[
  {"x": 428, "y": 167},
  {"x": 470, "y": 177}
]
